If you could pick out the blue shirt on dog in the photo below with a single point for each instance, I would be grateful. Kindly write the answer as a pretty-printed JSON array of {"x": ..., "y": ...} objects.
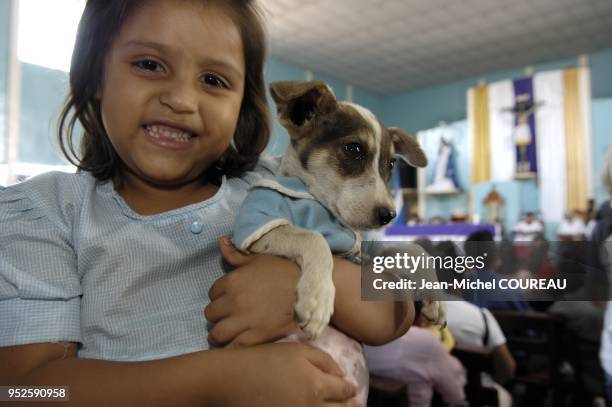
[{"x": 279, "y": 201}]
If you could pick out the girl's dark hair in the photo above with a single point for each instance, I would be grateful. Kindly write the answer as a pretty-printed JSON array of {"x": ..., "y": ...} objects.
[{"x": 99, "y": 26}]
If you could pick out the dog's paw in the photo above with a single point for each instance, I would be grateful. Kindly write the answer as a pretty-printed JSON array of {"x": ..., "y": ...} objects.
[
  {"x": 315, "y": 304},
  {"x": 434, "y": 312}
]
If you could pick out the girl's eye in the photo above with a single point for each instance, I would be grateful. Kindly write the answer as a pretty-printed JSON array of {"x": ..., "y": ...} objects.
[
  {"x": 355, "y": 151},
  {"x": 214, "y": 80},
  {"x": 148, "y": 65}
]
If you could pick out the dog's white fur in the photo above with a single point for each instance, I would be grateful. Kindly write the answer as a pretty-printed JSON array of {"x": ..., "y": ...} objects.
[{"x": 315, "y": 290}]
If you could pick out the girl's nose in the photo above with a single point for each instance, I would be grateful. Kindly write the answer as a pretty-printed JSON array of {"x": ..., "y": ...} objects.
[{"x": 180, "y": 96}]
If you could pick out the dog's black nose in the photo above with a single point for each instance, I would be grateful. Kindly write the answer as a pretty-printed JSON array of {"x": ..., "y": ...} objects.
[{"x": 385, "y": 215}]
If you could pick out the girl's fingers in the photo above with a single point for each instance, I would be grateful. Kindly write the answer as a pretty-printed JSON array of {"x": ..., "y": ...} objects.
[
  {"x": 259, "y": 336},
  {"x": 218, "y": 288},
  {"x": 246, "y": 338},
  {"x": 226, "y": 331},
  {"x": 218, "y": 309},
  {"x": 232, "y": 255},
  {"x": 337, "y": 389},
  {"x": 324, "y": 362}
]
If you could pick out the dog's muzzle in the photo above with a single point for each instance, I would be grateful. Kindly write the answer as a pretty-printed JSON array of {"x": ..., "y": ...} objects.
[{"x": 385, "y": 215}]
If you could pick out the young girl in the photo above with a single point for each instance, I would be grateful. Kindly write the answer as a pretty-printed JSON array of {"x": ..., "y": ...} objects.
[{"x": 105, "y": 273}]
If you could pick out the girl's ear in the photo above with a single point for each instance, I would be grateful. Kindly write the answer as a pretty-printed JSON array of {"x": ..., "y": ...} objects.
[
  {"x": 407, "y": 147},
  {"x": 298, "y": 102}
]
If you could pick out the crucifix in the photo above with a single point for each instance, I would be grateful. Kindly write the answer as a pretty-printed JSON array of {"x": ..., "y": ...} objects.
[{"x": 523, "y": 108}]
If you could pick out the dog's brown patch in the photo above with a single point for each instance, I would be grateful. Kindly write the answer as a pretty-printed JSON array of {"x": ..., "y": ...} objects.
[{"x": 333, "y": 132}]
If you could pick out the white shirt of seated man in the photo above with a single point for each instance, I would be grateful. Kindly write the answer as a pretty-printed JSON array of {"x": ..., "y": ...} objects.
[
  {"x": 572, "y": 225},
  {"x": 527, "y": 229}
]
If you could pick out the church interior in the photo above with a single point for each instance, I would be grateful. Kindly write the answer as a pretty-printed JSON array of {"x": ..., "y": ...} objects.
[{"x": 511, "y": 102}]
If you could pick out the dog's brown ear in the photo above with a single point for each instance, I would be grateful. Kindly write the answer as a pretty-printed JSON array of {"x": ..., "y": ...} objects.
[
  {"x": 298, "y": 102},
  {"x": 407, "y": 147}
]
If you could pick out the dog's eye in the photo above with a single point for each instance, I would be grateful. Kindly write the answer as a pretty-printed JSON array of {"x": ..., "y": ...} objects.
[
  {"x": 392, "y": 163},
  {"x": 355, "y": 150}
]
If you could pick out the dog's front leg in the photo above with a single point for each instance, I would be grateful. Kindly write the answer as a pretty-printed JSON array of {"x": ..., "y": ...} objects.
[{"x": 315, "y": 290}]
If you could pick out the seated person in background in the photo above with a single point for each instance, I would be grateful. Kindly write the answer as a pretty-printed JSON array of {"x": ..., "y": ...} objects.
[
  {"x": 572, "y": 227},
  {"x": 538, "y": 262},
  {"x": 458, "y": 216},
  {"x": 414, "y": 219},
  {"x": 583, "y": 324},
  {"x": 437, "y": 220},
  {"x": 510, "y": 264},
  {"x": 481, "y": 244},
  {"x": 602, "y": 235},
  {"x": 420, "y": 360},
  {"x": 475, "y": 326},
  {"x": 590, "y": 218},
  {"x": 527, "y": 229}
]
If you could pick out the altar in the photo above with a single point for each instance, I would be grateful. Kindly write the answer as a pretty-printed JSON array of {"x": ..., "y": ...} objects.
[{"x": 437, "y": 233}]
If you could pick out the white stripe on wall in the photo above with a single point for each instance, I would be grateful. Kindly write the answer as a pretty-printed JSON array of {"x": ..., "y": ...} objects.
[
  {"x": 501, "y": 126},
  {"x": 550, "y": 132}
]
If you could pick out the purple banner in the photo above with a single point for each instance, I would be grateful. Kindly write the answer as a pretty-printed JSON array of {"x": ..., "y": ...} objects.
[{"x": 524, "y": 130}]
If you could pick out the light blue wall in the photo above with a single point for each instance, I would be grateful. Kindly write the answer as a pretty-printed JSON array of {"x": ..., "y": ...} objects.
[
  {"x": 601, "y": 74},
  {"x": 602, "y": 141},
  {"x": 371, "y": 101},
  {"x": 42, "y": 95},
  {"x": 279, "y": 71}
]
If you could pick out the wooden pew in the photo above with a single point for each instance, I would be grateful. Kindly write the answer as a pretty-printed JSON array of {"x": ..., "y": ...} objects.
[
  {"x": 476, "y": 360},
  {"x": 533, "y": 336},
  {"x": 386, "y": 392}
]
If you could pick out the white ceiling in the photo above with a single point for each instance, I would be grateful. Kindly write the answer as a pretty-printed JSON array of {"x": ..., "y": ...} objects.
[{"x": 391, "y": 46}]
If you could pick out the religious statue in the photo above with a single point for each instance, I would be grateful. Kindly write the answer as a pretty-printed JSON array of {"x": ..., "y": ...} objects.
[
  {"x": 523, "y": 137},
  {"x": 493, "y": 203},
  {"x": 445, "y": 176}
]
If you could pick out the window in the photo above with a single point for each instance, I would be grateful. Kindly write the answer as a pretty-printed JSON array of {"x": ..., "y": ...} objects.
[{"x": 38, "y": 83}]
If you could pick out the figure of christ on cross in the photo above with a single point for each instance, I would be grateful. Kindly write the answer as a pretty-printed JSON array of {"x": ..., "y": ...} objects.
[{"x": 523, "y": 108}]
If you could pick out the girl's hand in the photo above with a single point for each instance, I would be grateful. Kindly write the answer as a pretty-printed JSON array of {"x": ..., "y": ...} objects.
[
  {"x": 285, "y": 374},
  {"x": 252, "y": 304}
]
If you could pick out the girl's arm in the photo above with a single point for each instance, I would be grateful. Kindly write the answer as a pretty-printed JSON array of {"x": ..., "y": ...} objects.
[
  {"x": 273, "y": 374},
  {"x": 254, "y": 303},
  {"x": 371, "y": 322}
]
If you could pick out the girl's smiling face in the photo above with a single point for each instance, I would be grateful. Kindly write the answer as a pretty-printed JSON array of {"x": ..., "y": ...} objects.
[{"x": 172, "y": 91}]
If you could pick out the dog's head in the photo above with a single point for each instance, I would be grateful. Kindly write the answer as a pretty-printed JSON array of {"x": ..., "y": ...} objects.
[{"x": 342, "y": 152}]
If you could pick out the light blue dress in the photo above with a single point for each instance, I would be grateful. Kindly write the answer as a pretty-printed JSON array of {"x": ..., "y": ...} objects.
[{"x": 77, "y": 264}]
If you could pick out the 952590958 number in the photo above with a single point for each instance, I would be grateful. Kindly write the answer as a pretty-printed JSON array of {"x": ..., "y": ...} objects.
[{"x": 34, "y": 393}]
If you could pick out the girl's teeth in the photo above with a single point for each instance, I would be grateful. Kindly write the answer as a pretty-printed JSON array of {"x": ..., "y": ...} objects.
[{"x": 168, "y": 133}]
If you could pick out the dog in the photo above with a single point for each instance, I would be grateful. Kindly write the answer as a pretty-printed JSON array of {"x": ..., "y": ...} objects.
[{"x": 333, "y": 184}]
